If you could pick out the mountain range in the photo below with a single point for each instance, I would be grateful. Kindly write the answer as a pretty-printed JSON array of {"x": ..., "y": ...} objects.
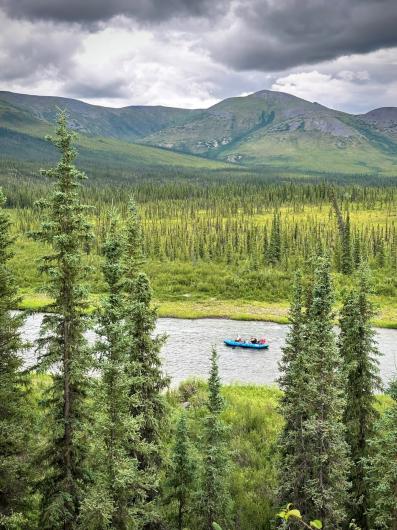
[{"x": 260, "y": 131}]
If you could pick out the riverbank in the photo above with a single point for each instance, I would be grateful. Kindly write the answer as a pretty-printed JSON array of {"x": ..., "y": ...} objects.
[{"x": 234, "y": 310}]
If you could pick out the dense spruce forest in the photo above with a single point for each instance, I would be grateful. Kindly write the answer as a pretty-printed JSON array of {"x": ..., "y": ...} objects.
[
  {"x": 250, "y": 231},
  {"x": 93, "y": 437}
]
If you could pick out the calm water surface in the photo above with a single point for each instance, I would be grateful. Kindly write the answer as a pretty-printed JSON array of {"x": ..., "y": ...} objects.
[{"x": 187, "y": 349}]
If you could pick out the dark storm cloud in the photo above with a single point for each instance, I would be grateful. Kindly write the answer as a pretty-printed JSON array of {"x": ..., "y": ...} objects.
[
  {"x": 267, "y": 35},
  {"x": 90, "y": 11},
  {"x": 273, "y": 35},
  {"x": 27, "y": 55},
  {"x": 193, "y": 52}
]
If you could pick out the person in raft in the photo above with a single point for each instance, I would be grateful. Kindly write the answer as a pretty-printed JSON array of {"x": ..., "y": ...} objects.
[
  {"x": 254, "y": 340},
  {"x": 262, "y": 341},
  {"x": 239, "y": 338}
]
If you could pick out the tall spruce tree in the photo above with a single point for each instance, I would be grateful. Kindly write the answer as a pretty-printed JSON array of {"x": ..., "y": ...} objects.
[
  {"x": 346, "y": 257},
  {"x": 214, "y": 503},
  {"x": 327, "y": 464},
  {"x": 14, "y": 410},
  {"x": 183, "y": 473},
  {"x": 146, "y": 379},
  {"x": 382, "y": 469},
  {"x": 313, "y": 446},
  {"x": 108, "y": 501},
  {"x": 274, "y": 250},
  {"x": 293, "y": 381},
  {"x": 63, "y": 348},
  {"x": 359, "y": 352}
]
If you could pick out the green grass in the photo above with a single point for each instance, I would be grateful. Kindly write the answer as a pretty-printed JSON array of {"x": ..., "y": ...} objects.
[
  {"x": 313, "y": 152},
  {"x": 237, "y": 310}
]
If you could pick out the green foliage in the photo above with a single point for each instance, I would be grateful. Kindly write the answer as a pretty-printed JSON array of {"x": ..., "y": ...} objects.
[
  {"x": 274, "y": 252},
  {"x": 107, "y": 503},
  {"x": 62, "y": 344},
  {"x": 15, "y": 416},
  {"x": 291, "y": 513},
  {"x": 358, "y": 349},
  {"x": 182, "y": 474},
  {"x": 252, "y": 425},
  {"x": 214, "y": 500},
  {"x": 146, "y": 380},
  {"x": 326, "y": 460},
  {"x": 382, "y": 469},
  {"x": 293, "y": 381},
  {"x": 313, "y": 442}
]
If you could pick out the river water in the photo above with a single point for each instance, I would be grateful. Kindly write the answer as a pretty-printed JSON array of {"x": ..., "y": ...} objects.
[{"x": 186, "y": 352}]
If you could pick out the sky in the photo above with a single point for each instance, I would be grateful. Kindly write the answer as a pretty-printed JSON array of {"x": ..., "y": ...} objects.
[{"x": 193, "y": 53}]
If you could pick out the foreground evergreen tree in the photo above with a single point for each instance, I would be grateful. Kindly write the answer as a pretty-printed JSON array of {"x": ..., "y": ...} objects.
[
  {"x": 214, "y": 498},
  {"x": 359, "y": 352},
  {"x": 293, "y": 381},
  {"x": 382, "y": 469},
  {"x": 327, "y": 465},
  {"x": 107, "y": 503},
  {"x": 314, "y": 451},
  {"x": 14, "y": 412},
  {"x": 62, "y": 344},
  {"x": 182, "y": 474},
  {"x": 145, "y": 379}
]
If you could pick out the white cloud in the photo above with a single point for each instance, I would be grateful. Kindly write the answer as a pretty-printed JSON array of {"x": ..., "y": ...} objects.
[
  {"x": 168, "y": 70},
  {"x": 355, "y": 83},
  {"x": 348, "y": 75}
]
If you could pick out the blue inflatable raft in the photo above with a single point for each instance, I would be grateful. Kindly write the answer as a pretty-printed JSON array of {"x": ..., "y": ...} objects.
[{"x": 235, "y": 344}]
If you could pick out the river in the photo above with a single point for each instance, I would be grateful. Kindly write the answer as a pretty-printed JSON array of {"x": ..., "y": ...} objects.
[{"x": 186, "y": 352}]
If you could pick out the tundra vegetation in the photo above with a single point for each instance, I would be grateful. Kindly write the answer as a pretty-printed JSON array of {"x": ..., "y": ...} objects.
[
  {"x": 250, "y": 234},
  {"x": 93, "y": 438}
]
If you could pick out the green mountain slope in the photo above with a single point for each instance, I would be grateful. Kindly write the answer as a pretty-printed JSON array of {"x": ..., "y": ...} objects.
[
  {"x": 260, "y": 131},
  {"x": 274, "y": 129},
  {"x": 22, "y": 139},
  {"x": 128, "y": 123}
]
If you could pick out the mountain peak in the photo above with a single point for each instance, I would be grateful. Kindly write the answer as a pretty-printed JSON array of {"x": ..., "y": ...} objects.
[{"x": 383, "y": 120}]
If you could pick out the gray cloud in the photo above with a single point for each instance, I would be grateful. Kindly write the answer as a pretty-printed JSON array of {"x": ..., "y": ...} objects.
[
  {"x": 91, "y": 11},
  {"x": 272, "y": 36},
  {"x": 34, "y": 53},
  {"x": 112, "y": 89},
  {"x": 265, "y": 35}
]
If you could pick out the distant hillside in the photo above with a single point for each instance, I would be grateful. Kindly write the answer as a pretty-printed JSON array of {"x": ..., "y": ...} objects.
[
  {"x": 280, "y": 130},
  {"x": 104, "y": 142},
  {"x": 128, "y": 123},
  {"x": 383, "y": 120},
  {"x": 263, "y": 130}
]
